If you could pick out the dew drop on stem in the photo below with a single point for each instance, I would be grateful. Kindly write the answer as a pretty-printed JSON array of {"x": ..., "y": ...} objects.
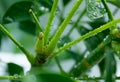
[
  {"x": 65, "y": 44},
  {"x": 16, "y": 76}
]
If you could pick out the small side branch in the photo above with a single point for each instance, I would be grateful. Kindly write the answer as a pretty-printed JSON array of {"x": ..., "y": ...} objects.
[
  {"x": 28, "y": 55},
  {"x": 110, "y": 16},
  {"x": 56, "y": 37},
  {"x": 36, "y": 20},
  {"x": 95, "y": 78},
  {"x": 88, "y": 35},
  {"x": 50, "y": 20}
]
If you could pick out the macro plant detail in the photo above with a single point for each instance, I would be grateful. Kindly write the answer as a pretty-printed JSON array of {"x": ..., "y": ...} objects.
[{"x": 101, "y": 39}]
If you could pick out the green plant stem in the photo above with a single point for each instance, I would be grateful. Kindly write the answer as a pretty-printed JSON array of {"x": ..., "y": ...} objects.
[
  {"x": 110, "y": 16},
  {"x": 95, "y": 78},
  {"x": 50, "y": 20},
  {"x": 60, "y": 67},
  {"x": 56, "y": 37},
  {"x": 93, "y": 58},
  {"x": 36, "y": 3},
  {"x": 10, "y": 78},
  {"x": 89, "y": 34},
  {"x": 36, "y": 20},
  {"x": 28, "y": 55}
]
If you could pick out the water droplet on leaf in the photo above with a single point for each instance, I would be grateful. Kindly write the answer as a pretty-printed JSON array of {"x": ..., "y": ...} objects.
[
  {"x": 16, "y": 76},
  {"x": 65, "y": 44},
  {"x": 95, "y": 9}
]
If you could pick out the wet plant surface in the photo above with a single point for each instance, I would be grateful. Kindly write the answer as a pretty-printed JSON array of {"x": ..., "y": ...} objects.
[{"x": 57, "y": 34}]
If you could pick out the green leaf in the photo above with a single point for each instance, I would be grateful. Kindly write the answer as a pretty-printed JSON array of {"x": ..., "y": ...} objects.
[
  {"x": 46, "y": 3},
  {"x": 28, "y": 26},
  {"x": 14, "y": 69},
  {"x": 65, "y": 2},
  {"x": 17, "y": 12},
  {"x": 95, "y": 9},
  {"x": 44, "y": 6},
  {"x": 47, "y": 78}
]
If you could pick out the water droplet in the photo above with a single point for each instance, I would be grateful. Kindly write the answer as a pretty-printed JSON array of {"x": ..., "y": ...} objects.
[
  {"x": 95, "y": 14},
  {"x": 42, "y": 8},
  {"x": 95, "y": 9},
  {"x": 17, "y": 76},
  {"x": 65, "y": 44}
]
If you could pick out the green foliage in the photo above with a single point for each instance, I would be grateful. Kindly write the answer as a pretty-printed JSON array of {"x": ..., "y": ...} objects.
[
  {"x": 14, "y": 69},
  {"x": 11, "y": 15},
  {"x": 100, "y": 37},
  {"x": 46, "y": 3}
]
